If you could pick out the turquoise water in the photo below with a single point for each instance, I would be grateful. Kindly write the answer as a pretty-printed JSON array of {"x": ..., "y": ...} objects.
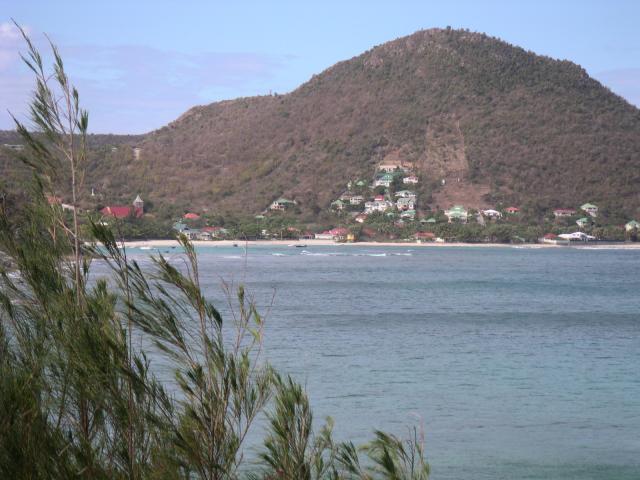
[{"x": 518, "y": 363}]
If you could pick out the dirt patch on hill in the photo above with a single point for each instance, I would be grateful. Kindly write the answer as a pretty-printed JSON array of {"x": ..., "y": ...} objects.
[{"x": 460, "y": 191}]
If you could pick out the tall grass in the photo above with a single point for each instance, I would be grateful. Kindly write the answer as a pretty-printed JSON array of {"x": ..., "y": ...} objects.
[{"x": 78, "y": 400}]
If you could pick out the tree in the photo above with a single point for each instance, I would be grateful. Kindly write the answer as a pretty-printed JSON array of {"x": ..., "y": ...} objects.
[{"x": 78, "y": 400}]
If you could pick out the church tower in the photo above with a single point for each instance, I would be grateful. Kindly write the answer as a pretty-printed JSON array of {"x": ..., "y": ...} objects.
[{"x": 138, "y": 206}]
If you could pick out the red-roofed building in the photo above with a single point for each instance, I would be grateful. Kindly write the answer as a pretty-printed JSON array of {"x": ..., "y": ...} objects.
[
  {"x": 512, "y": 210},
  {"x": 337, "y": 234},
  {"x": 117, "y": 211},
  {"x": 422, "y": 236},
  {"x": 553, "y": 239},
  {"x": 125, "y": 211},
  {"x": 191, "y": 216},
  {"x": 340, "y": 231}
]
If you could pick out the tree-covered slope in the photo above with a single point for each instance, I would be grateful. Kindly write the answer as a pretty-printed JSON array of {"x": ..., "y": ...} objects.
[{"x": 499, "y": 123}]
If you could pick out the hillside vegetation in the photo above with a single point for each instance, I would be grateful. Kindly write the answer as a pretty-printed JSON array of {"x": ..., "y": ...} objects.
[{"x": 501, "y": 125}]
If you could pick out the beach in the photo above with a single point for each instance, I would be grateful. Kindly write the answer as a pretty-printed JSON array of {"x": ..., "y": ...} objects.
[{"x": 312, "y": 243}]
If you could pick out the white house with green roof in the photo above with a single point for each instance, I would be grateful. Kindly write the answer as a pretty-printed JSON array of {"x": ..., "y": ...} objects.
[
  {"x": 583, "y": 222},
  {"x": 457, "y": 213},
  {"x": 281, "y": 204},
  {"x": 410, "y": 214},
  {"x": 384, "y": 180},
  {"x": 337, "y": 205},
  {"x": 590, "y": 208},
  {"x": 632, "y": 225}
]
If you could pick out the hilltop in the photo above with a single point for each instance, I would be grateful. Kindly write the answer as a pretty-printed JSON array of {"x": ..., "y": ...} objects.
[{"x": 499, "y": 124}]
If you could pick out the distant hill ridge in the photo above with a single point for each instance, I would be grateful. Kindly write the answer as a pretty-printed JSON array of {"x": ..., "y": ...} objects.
[{"x": 499, "y": 124}]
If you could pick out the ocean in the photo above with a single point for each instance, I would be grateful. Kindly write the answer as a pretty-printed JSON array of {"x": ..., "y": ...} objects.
[{"x": 517, "y": 363}]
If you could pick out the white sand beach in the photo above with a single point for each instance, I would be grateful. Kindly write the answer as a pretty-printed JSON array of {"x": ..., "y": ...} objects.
[{"x": 312, "y": 243}]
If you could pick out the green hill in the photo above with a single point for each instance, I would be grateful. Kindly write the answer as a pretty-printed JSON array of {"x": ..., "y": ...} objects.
[{"x": 499, "y": 124}]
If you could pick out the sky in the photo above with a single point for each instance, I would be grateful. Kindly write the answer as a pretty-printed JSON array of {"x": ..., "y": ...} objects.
[{"x": 139, "y": 64}]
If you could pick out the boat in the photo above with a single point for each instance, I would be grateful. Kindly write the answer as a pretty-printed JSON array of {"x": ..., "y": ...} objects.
[
  {"x": 235, "y": 244},
  {"x": 298, "y": 245},
  {"x": 145, "y": 248}
]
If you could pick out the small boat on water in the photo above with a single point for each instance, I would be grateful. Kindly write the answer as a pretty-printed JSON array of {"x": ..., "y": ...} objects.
[
  {"x": 235, "y": 244},
  {"x": 298, "y": 245},
  {"x": 145, "y": 248}
]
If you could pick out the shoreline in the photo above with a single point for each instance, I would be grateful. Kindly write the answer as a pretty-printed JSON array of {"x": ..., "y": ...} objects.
[{"x": 318, "y": 243}]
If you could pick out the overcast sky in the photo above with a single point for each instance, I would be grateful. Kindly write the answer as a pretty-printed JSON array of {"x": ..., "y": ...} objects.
[{"x": 139, "y": 64}]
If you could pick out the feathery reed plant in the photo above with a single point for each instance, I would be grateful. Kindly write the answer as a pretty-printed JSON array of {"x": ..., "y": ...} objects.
[{"x": 78, "y": 400}]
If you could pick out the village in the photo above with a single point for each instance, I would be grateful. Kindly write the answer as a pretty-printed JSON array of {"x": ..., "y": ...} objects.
[{"x": 386, "y": 207}]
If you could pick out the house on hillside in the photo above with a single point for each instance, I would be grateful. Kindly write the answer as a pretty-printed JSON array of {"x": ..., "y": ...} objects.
[
  {"x": 512, "y": 210},
  {"x": 337, "y": 205},
  {"x": 377, "y": 206},
  {"x": 406, "y": 203},
  {"x": 583, "y": 222},
  {"x": 411, "y": 179},
  {"x": 384, "y": 180},
  {"x": 281, "y": 204},
  {"x": 590, "y": 208},
  {"x": 360, "y": 218},
  {"x": 457, "y": 213},
  {"x": 346, "y": 196},
  {"x": 191, "y": 216},
  {"x": 136, "y": 210},
  {"x": 356, "y": 200},
  {"x": 564, "y": 212},
  {"x": 136, "y": 153},
  {"x": 491, "y": 213},
  {"x": 406, "y": 194},
  {"x": 392, "y": 167},
  {"x": 632, "y": 225},
  {"x": 408, "y": 214}
]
